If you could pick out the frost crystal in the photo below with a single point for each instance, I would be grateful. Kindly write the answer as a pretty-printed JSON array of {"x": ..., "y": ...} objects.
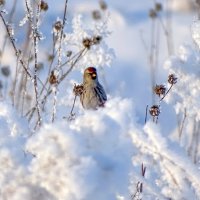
[{"x": 23, "y": 21}]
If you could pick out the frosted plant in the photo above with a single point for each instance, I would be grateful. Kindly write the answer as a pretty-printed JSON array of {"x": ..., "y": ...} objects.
[
  {"x": 170, "y": 174},
  {"x": 92, "y": 38},
  {"x": 186, "y": 96}
]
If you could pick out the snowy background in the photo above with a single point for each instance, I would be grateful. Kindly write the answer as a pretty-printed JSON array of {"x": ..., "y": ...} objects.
[{"x": 109, "y": 153}]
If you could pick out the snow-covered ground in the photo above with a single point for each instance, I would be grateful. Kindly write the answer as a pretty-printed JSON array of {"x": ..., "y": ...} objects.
[{"x": 109, "y": 153}]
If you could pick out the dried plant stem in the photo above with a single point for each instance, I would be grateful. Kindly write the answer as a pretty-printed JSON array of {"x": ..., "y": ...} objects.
[
  {"x": 182, "y": 124},
  {"x": 81, "y": 54},
  {"x": 59, "y": 60},
  {"x": 72, "y": 109},
  {"x": 166, "y": 92},
  {"x": 24, "y": 94},
  {"x": 17, "y": 52},
  {"x": 30, "y": 113},
  {"x": 152, "y": 57},
  {"x": 167, "y": 36},
  {"x": 35, "y": 34},
  {"x": 196, "y": 144},
  {"x": 15, "y": 83},
  {"x": 171, "y": 175},
  {"x": 164, "y": 156},
  {"x": 146, "y": 112},
  {"x": 139, "y": 185},
  {"x": 9, "y": 21}
]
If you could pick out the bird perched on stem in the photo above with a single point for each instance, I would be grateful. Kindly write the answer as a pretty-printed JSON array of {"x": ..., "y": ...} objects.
[{"x": 91, "y": 92}]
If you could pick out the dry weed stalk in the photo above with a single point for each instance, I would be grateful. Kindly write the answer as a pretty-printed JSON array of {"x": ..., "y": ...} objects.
[
  {"x": 59, "y": 59},
  {"x": 161, "y": 92},
  {"x": 139, "y": 186},
  {"x": 157, "y": 23},
  {"x": 36, "y": 38}
]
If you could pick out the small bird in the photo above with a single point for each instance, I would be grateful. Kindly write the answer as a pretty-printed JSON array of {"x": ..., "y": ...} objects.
[{"x": 92, "y": 93}]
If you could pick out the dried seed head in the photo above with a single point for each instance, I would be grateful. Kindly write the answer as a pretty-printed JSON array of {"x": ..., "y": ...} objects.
[
  {"x": 103, "y": 5},
  {"x": 154, "y": 110},
  {"x": 96, "y": 15},
  {"x": 58, "y": 25},
  {"x": 158, "y": 7},
  {"x": 69, "y": 53},
  {"x": 152, "y": 14},
  {"x": 78, "y": 90},
  {"x": 53, "y": 78},
  {"x": 44, "y": 6},
  {"x": 97, "y": 39},
  {"x": 2, "y": 2},
  {"x": 50, "y": 57},
  {"x": 160, "y": 90},
  {"x": 40, "y": 65},
  {"x": 87, "y": 43},
  {"x": 172, "y": 79},
  {"x": 5, "y": 70}
]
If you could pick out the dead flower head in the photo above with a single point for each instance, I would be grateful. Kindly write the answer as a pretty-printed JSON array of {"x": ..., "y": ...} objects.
[
  {"x": 69, "y": 53},
  {"x": 44, "y": 6},
  {"x": 158, "y": 7},
  {"x": 50, "y": 57},
  {"x": 154, "y": 110},
  {"x": 102, "y": 5},
  {"x": 40, "y": 66},
  {"x": 5, "y": 70},
  {"x": 96, "y": 14},
  {"x": 87, "y": 43},
  {"x": 58, "y": 25},
  {"x": 2, "y": 2},
  {"x": 152, "y": 13},
  {"x": 172, "y": 79},
  {"x": 97, "y": 39},
  {"x": 78, "y": 90},
  {"x": 160, "y": 90},
  {"x": 53, "y": 78}
]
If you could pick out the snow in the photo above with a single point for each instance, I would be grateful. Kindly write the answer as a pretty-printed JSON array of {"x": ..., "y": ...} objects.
[{"x": 100, "y": 154}]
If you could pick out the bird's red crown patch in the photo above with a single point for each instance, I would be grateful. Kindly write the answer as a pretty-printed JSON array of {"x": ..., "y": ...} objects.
[{"x": 91, "y": 69}]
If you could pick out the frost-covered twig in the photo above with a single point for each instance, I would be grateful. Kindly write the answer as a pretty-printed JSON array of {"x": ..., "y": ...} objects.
[
  {"x": 59, "y": 60},
  {"x": 30, "y": 113},
  {"x": 161, "y": 153},
  {"x": 146, "y": 113},
  {"x": 17, "y": 52},
  {"x": 182, "y": 124},
  {"x": 9, "y": 21},
  {"x": 166, "y": 93},
  {"x": 36, "y": 36},
  {"x": 82, "y": 53},
  {"x": 139, "y": 186},
  {"x": 71, "y": 115}
]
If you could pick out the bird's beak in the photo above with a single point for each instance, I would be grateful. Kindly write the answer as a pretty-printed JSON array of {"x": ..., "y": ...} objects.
[{"x": 94, "y": 75}]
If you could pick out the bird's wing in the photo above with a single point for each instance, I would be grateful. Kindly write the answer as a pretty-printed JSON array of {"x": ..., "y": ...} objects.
[{"x": 101, "y": 93}]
